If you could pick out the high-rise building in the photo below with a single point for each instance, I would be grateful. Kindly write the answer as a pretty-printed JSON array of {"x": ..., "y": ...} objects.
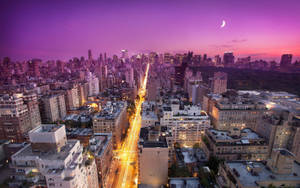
[
  {"x": 152, "y": 89},
  {"x": 219, "y": 83},
  {"x": 53, "y": 108},
  {"x": 72, "y": 98},
  {"x": 124, "y": 54},
  {"x": 31, "y": 101},
  {"x": 83, "y": 90},
  {"x": 286, "y": 60},
  {"x": 282, "y": 129},
  {"x": 33, "y": 67},
  {"x": 228, "y": 59},
  {"x": 16, "y": 118},
  {"x": 93, "y": 82},
  {"x": 60, "y": 66},
  {"x": 53, "y": 161},
  {"x": 129, "y": 76},
  {"x": 234, "y": 110},
  {"x": 192, "y": 82},
  {"x": 102, "y": 148},
  {"x": 217, "y": 60},
  {"x": 153, "y": 160},
  {"x": 90, "y": 57},
  {"x": 112, "y": 119},
  {"x": 188, "y": 124}
]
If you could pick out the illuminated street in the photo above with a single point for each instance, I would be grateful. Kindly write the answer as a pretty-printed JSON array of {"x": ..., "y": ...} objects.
[{"x": 126, "y": 175}]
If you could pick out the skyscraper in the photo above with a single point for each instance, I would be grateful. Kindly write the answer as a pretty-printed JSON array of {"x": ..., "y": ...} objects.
[
  {"x": 228, "y": 59},
  {"x": 286, "y": 60},
  {"x": 93, "y": 84},
  {"x": 124, "y": 54},
  {"x": 33, "y": 67},
  {"x": 17, "y": 117},
  {"x": 90, "y": 55}
]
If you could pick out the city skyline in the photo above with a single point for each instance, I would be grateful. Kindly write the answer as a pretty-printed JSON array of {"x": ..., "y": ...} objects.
[{"x": 62, "y": 30}]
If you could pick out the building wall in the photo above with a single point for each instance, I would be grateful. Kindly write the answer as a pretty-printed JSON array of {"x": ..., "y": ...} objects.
[
  {"x": 117, "y": 126},
  {"x": 104, "y": 163},
  {"x": 153, "y": 166},
  {"x": 227, "y": 119}
]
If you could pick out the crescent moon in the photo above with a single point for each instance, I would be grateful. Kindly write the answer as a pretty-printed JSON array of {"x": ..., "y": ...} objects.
[{"x": 223, "y": 24}]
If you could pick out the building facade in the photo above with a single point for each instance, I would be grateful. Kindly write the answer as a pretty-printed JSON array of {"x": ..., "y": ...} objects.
[
  {"x": 235, "y": 145},
  {"x": 16, "y": 119},
  {"x": 53, "y": 161},
  {"x": 112, "y": 119}
]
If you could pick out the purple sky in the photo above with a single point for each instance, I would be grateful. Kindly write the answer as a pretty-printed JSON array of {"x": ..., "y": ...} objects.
[{"x": 64, "y": 29}]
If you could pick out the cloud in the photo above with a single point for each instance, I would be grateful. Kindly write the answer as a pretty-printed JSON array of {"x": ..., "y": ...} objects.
[
  {"x": 257, "y": 54},
  {"x": 227, "y": 46},
  {"x": 238, "y": 41}
]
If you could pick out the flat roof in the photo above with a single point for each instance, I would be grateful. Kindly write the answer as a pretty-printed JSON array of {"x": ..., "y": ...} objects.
[
  {"x": 50, "y": 155},
  {"x": 110, "y": 111},
  {"x": 155, "y": 144},
  {"x": 79, "y": 131},
  {"x": 47, "y": 128},
  {"x": 248, "y": 180},
  {"x": 149, "y": 115},
  {"x": 99, "y": 142}
]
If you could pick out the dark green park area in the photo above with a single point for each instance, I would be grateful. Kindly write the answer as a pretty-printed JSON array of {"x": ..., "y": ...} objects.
[{"x": 246, "y": 79}]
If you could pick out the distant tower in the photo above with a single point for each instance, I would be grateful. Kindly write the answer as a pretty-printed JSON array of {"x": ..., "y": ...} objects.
[
  {"x": 60, "y": 66},
  {"x": 130, "y": 76},
  {"x": 33, "y": 67},
  {"x": 124, "y": 54},
  {"x": 228, "y": 59},
  {"x": 286, "y": 60},
  {"x": 217, "y": 60},
  {"x": 90, "y": 55},
  {"x": 204, "y": 57},
  {"x": 105, "y": 58},
  {"x": 101, "y": 58},
  {"x": 93, "y": 82}
]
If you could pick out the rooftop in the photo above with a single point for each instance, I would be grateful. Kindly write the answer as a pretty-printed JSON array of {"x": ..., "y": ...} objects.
[
  {"x": 155, "y": 144},
  {"x": 248, "y": 179},
  {"x": 50, "y": 155},
  {"x": 239, "y": 137},
  {"x": 149, "y": 115},
  {"x": 110, "y": 111},
  {"x": 79, "y": 131},
  {"x": 99, "y": 142},
  {"x": 44, "y": 128},
  {"x": 189, "y": 182}
]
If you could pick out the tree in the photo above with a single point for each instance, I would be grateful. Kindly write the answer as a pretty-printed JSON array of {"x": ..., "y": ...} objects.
[
  {"x": 213, "y": 163},
  {"x": 197, "y": 145},
  {"x": 176, "y": 171},
  {"x": 205, "y": 141},
  {"x": 177, "y": 145},
  {"x": 271, "y": 186}
]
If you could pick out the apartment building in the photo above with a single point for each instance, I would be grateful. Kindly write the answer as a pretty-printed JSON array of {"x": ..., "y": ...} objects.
[
  {"x": 101, "y": 147},
  {"x": 112, "y": 119},
  {"x": 187, "y": 123},
  {"x": 17, "y": 117},
  {"x": 280, "y": 171},
  {"x": 237, "y": 144},
  {"x": 53, "y": 161},
  {"x": 235, "y": 110}
]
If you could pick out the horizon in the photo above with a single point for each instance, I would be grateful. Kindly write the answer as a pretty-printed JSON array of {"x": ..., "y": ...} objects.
[
  {"x": 95, "y": 57},
  {"x": 66, "y": 29}
]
